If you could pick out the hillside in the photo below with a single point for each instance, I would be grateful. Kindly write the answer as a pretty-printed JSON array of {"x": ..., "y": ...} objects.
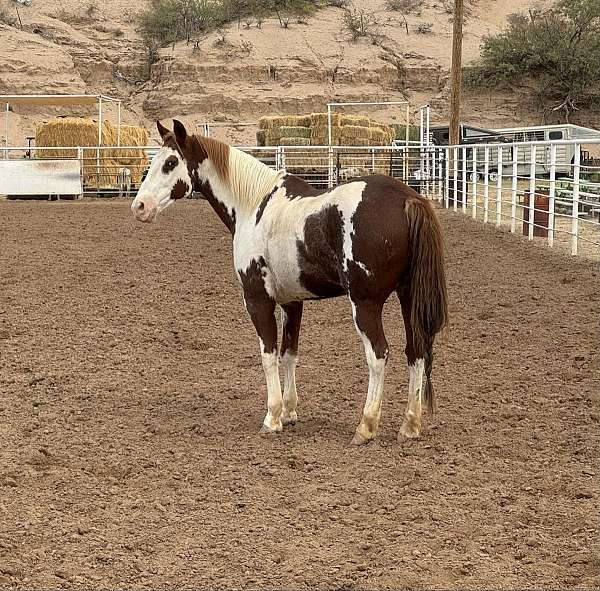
[{"x": 246, "y": 71}]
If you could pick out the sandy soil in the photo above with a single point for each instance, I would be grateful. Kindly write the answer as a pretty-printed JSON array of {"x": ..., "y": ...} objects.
[{"x": 132, "y": 393}]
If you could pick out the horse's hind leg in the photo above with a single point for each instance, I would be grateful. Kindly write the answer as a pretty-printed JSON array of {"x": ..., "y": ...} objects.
[
  {"x": 291, "y": 316},
  {"x": 411, "y": 426},
  {"x": 367, "y": 318}
]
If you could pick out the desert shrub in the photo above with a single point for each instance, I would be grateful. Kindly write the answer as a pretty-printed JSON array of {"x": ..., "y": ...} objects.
[
  {"x": 173, "y": 20},
  {"x": 7, "y": 18},
  {"x": 558, "y": 50},
  {"x": 360, "y": 23},
  {"x": 424, "y": 28},
  {"x": 405, "y": 6}
]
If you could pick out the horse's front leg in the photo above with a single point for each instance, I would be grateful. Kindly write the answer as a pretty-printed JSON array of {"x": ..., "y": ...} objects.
[
  {"x": 291, "y": 316},
  {"x": 261, "y": 309}
]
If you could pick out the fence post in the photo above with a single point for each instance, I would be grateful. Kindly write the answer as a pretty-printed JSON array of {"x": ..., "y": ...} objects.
[
  {"x": 464, "y": 180},
  {"x": 499, "y": 191},
  {"x": 513, "y": 191},
  {"x": 440, "y": 173},
  {"x": 552, "y": 195},
  {"x": 447, "y": 189},
  {"x": 474, "y": 181},
  {"x": 575, "y": 212},
  {"x": 330, "y": 173},
  {"x": 80, "y": 158},
  {"x": 486, "y": 184},
  {"x": 532, "y": 190},
  {"x": 455, "y": 188}
]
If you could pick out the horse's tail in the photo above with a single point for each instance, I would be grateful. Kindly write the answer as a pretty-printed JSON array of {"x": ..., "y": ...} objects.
[{"x": 428, "y": 296}]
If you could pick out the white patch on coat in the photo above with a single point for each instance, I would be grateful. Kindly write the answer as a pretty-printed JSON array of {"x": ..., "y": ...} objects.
[
  {"x": 372, "y": 409},
  {"x": 411, "y": 426},
  {"x": 290, "y": 394},
  {"x": 270, "y": 363},
  {"x": 280, "y": 229}
]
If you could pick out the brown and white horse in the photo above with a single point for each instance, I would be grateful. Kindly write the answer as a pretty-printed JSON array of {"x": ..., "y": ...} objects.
[{"x": 365, "y": 239}]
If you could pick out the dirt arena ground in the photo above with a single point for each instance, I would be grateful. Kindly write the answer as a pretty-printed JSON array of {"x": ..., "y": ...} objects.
[{"x": 132, "y": 394}]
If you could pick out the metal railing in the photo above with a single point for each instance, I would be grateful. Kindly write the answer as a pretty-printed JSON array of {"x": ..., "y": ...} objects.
[
  {"x": 109, "y": 171},
  {"x": 550, "y": 190}
]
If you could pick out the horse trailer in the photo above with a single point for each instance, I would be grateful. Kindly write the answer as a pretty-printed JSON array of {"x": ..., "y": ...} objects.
[{"x": 565, "y": 153}]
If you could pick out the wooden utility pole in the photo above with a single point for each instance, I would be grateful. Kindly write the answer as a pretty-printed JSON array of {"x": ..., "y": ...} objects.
[{"x": 457, "y": 36}]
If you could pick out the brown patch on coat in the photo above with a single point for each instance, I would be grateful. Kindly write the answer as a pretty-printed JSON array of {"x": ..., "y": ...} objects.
[
  {"x": 180, "y": 190},
  {"x": 259, "y": 304}
]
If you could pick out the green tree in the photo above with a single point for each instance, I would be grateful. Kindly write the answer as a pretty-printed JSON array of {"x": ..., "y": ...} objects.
[{"x": 557, "y": 49}]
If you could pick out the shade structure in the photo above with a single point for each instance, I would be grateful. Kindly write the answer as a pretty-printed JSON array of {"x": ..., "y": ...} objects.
[
  {"x": 55, "y": 99},
  {"x": 61, "y": 100}
]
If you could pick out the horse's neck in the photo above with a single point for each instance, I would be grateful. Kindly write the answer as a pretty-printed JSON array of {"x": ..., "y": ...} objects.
[{"x": 238, "y": 197}]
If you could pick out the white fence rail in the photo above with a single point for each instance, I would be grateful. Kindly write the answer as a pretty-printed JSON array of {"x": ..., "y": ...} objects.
[
  {"x": 322, "y": 166},
  {"x": 552, "y": 194}
]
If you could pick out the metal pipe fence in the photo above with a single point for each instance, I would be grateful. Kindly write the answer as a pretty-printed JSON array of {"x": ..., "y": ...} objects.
[
  {"x": 544, "y": 190},
  {"x": 550, "y": 191}
]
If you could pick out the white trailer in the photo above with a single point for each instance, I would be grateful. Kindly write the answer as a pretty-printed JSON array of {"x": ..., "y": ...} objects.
[{"x": 565, "y": 153}]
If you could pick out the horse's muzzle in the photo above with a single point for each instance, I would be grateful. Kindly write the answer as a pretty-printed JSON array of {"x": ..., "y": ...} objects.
[{"x": 143, "y": 213}]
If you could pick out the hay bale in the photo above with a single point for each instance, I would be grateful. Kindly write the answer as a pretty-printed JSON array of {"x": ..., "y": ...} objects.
[
  {"x": 357, "y": 120},
  {"x": 378, "y": 137},
  {"x": 303, "y": 121},
  {"x": 135, "y": 160},
  {"x": 320, "y": 119},
  {"x": 272, "y": 137},
  {"x": 80, "y": 131},
  {"x": 294, "y": 131},
  {"x": 294, "y": 141},
  {"x": 266, "y": 123},
  {"x": 355, "y": 132}
]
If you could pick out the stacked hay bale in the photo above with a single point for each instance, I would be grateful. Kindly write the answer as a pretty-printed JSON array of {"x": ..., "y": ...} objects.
[
  {"x": 83, "y": 132},
  {"x": 312, "y": 130},
  {"x": 134, "y": 159}
]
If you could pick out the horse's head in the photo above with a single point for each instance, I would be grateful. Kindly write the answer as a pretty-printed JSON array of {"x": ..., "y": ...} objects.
[{"x": 170, "y": 175}]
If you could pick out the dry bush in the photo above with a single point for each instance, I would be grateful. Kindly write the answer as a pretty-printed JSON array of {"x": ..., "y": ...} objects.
[
  {"x": 424, "y": 28},
  {"x": 7, "y": 18},
  {"x": 360, "y": 23},
  {"x": 405, "y": 6}
]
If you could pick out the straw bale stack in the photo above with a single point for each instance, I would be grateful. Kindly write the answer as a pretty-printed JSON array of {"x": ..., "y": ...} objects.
[
  {"x": 294, "y": 131},
  {"x": 82, "y": 132},
  {"x": 346, "y": 130},
  {"x": 294, "y": 141},
  {"x": 351, "y": 132},
  {"x": 359, "y": 120},
  {"x": 79, "y": 131},
  {"x": 135, "y": 160}
]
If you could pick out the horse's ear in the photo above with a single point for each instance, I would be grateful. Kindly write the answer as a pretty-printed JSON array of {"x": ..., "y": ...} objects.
[
  {"x": 162, "y": 129},
  {"x": 180, "y": 132}
]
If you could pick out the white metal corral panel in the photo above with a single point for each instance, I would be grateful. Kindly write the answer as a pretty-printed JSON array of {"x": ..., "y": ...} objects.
[{"x": 40, "y": 177}]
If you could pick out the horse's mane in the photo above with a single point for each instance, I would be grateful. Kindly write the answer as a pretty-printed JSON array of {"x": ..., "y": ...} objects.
[{"x": 247, "y": 177}]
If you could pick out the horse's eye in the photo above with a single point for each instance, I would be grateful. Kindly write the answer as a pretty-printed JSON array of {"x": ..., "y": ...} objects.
[{"x": 170, "y": 164}]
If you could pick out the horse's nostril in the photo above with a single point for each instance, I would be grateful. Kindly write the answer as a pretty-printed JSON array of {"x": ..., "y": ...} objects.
[{"x": 140, "y": 206}]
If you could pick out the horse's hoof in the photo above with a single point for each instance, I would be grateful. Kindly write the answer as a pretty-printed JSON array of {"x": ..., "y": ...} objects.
[
  {"x": 408, "y": 432},
  {"x": 289, "y": 419},
  {"x": 359, "y": 439},
  {"x": 264, "y": 430}
]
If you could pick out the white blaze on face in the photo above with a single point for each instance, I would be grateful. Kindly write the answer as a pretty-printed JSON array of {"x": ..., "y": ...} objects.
[{"x": 155, "y": 194}]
